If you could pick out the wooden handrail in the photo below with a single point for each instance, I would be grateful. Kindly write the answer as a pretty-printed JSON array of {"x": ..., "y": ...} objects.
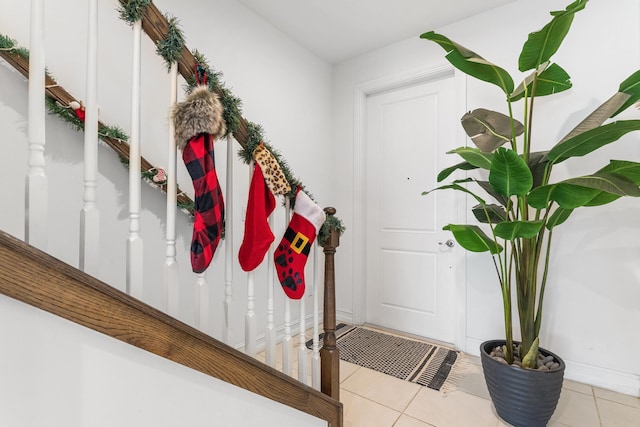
[
  {"x": 36, "y": 278},
  {"x": 330, "y": 354}
]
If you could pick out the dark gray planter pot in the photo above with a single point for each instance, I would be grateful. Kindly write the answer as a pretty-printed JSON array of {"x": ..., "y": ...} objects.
[{"x": 522, "y": 397}]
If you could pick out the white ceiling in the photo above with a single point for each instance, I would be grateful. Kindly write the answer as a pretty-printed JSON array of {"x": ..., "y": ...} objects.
[{"x": 336, "y": 30}]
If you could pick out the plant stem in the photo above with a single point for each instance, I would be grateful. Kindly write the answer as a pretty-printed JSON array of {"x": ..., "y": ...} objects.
[{"x": 543, "y": 284}]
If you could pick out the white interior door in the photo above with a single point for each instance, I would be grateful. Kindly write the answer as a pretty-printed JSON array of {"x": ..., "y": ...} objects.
[{"x": 409, "y": 267}]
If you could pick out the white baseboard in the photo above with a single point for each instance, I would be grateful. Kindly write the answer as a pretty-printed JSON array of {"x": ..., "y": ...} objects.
[
  {"x": 609, "y": 379},
  {"x": 344, "y": 317},
  {"x": 596, "y": 376}
]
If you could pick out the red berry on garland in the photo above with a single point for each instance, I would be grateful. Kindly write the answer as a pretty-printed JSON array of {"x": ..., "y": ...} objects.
[{"x": 78, "y": 109}]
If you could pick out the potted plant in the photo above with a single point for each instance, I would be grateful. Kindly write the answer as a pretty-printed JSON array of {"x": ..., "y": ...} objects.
[{"x": 517, "y": 227}]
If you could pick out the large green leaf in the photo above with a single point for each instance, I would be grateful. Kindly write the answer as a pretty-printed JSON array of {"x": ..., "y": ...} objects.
[
  {"x": 623, "y": 169},
  {"x": 489, "y": 214},
  {"x": 540, "y": 197},
  {"x": 628, "y": 169},
  {"x": 558, "y": 217},
  {"x": 552, "y": 80},
  {"x": 474, "y": 156},
  {"x": 607, "y": 182},
  {"x": 456, "y": 186},
  {"x": 509, "y": 174},
  {"x": 631, "y": 87},
  {"x": 486, "y": 186},
  {"x": 586, "y": 142},
  {"x": 489, "y": 129},
  {"x": 471, "y": 63},
  {"x": 473, "y": 239},
  {"x": 602, "y": 199},
  {"x": 510, "y": 230},
  {"x": 567, "y": 196},
  {"x": 537, "y": 164},
  {"x": 593, "y": 190},
  {"x": 573, "y": 196},
  {"x": 465, "y": 166},
  {"x": 541, "y": 45},
  {"x": 599, "y": 115}
]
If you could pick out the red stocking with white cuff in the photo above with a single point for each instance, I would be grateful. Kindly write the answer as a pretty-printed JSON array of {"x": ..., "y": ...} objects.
[{"x": 291, "y": 255}]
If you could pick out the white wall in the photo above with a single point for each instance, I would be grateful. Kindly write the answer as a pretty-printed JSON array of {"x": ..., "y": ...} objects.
[
  {"x": 57, "y": 373},
  {"x": 283, "y": 87},
  {"x": 592, "y": 302}
]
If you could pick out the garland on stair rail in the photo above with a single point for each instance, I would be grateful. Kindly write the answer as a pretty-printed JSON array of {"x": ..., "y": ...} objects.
[
  {"x": 113, "y": 136},
  {"x": 171, "y": 49}
]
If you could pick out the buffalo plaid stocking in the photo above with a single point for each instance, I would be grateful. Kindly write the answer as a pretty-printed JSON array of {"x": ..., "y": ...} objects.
[{"x": 208, "y": 221}]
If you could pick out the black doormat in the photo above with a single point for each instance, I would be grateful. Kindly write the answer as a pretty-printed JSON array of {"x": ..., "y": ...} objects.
[
  {"x": 340, "y": 329},
  {"x": 420, "y": 362}
]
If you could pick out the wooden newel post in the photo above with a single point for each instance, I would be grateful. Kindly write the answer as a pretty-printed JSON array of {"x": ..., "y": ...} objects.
[{"x": 329, "y": 353}]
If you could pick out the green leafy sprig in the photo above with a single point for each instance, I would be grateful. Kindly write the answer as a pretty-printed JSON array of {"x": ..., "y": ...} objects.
[
  {"x": 132, "y": 10},
  {"x": 171, "y": 47}
]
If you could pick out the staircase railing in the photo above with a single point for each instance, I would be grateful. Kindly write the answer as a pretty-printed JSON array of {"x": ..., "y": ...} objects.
[{"x": 156, "y": 26}]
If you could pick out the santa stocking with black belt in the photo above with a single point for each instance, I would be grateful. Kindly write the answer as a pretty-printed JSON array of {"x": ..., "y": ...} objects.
[{"x": 291, "y": 254}]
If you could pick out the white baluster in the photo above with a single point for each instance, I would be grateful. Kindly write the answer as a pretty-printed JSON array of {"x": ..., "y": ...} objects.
[
  {"x": 270, "y": 332},
  {"x": 315, "y": 350},
  {"x": 228, "y": 242},
  {"x": 250, "y": 318},
  {"x": 134, "y": 242},
  {"x": 286, "y": 340},
  {"x": 35, "y": 230},
  {"x": 171, "y": 281},
  {"x": 202, "y": 303},
  {"x": 90, "y": 215},
  {"x": 302, "y": 348}
]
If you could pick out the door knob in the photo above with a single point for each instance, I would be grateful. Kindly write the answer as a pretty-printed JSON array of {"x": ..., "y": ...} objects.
[{"x": 450, "y": 243}]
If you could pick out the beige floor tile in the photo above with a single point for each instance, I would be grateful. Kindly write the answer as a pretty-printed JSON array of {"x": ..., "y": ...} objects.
[
  {"x": 576, "y": 386},
  {"x": 361, "y": 412},
  {"x": 625, "y": 399},
  {"x": 474, "y": 359},
  {"x": 472, "y": 381},
  {"x": 347, "y": 369},
  {"x": 615, "y": 414},
  {"x": 454, "y": 409},
  {"x": 576, "y": 409},
  {"x": 552, "y": 423},
  {"x": 406, "y": 421},
  {"x": 389, "y": 391}
]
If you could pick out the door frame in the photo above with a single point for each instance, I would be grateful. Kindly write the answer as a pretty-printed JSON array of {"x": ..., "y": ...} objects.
[{"x": 361, "y": 92}]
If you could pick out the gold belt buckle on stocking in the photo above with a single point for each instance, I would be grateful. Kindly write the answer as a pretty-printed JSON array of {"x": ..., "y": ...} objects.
[{"x": 299, "y": 242}]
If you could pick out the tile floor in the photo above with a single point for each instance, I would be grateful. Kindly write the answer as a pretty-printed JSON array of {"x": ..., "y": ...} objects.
[{"x": 373, "y": 399}]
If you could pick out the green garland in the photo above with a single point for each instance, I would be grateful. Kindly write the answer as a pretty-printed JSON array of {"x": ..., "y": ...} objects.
[
  {"x": 11, "y": 45},
  {"x": 171, "y": 47},
  {"x": 133, "y": 10},
  {"x": 68, "y": 116},
  {"x": 232, "y": 111}
]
